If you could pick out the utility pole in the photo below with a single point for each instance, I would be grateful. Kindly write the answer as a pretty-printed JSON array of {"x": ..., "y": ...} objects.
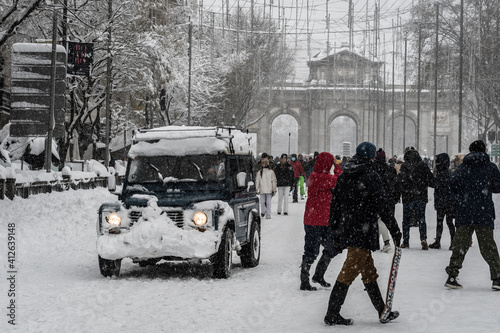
[
  {"x": 393, "y": 69},
  {"x": 404, "y": 94},
  {"x": 190, "y": 41},
  {"x": 436, "y": 80},
  {"x": 108, "y": 82},
  {"x": 50, "y": 132},
  {"x": 419, "y": 88},
  {"x": 460, "y": 79},
  {"x": 350, "y": 25}
]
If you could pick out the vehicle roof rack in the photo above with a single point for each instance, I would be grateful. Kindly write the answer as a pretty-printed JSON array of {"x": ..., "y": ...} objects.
[{"x": 184, "y": 132}]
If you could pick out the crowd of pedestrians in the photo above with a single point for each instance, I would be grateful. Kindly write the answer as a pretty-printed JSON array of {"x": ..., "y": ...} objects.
[{"x": 351, "y": 204}]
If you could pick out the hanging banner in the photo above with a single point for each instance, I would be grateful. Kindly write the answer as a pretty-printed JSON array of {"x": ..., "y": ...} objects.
[{"x": 80, "y": 58}]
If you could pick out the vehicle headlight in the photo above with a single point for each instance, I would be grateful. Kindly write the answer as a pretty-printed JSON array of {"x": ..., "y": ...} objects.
[
  {"x": 114, "y": 219},
  {"x": 200, "y": 219}
]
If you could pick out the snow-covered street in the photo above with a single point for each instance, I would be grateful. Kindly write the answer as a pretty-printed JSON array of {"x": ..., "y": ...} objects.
[{"x": 58, "y": 286}]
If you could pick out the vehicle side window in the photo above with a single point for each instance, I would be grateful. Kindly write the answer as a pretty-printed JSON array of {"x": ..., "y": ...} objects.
[{"x": 242, "y": 167}]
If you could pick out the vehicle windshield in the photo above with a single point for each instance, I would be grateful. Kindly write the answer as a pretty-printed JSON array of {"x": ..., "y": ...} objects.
[{"x": 153, "y": 169}]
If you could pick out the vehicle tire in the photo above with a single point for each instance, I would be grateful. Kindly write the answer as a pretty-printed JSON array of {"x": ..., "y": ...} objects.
[
  {"x": 250, "y": 252},
  {"x": 110, "y": 267},
  {"x": 223, "y": 259}
]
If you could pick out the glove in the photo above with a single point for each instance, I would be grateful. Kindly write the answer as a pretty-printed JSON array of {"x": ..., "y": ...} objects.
[
  {"x": 397, "y": 239},
  {"x": 274, "y": 192}
]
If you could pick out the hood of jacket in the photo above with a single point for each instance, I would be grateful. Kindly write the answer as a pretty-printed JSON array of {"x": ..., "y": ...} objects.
[
  {"x": 324, "y": 161},
  {"x": 442, "y": 161},
  {"x": 357, "y": 165},
  {"x": 412, "y": 157},
  {"x": 476, "y": 158}
]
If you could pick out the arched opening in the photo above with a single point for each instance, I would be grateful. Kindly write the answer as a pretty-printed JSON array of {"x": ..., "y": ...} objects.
[
  {"x": 409, "y": 133},
  {"x": 343, "y": 136},
  {"x": 284, "y": 137}
]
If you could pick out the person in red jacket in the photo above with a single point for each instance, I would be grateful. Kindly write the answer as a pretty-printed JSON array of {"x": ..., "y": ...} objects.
[
  {"x": 316, "y": 221},
  {"x": 298, "y": 171}
]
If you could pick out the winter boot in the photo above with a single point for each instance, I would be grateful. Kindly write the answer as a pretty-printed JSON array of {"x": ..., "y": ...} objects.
[
  {"x": 424, "y": 245},
  {"x": 378, "y": 302},
  {"x": 337, "y": 298},
  {"x": 436, "y": 244},
  {"x": 319, "y": 274},
  {"x": 304, "y": 276}
]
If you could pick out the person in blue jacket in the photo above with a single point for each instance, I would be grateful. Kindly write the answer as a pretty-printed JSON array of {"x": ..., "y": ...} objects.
[{"x": 473, "y": 183}]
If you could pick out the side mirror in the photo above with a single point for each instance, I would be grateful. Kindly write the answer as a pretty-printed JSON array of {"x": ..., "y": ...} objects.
[{"x": 240, "y": 179}]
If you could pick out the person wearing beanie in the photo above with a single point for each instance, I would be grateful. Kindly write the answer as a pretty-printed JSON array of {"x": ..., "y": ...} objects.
[
  {"x": 357, "y": 201},
  {"x": 388, "y": 176},
  {"x": 298, "y": 171},
  {"x": 284, "y": 177},
  {"x": 473, "y": 183},
  {"x": 366, "y": 149},
  {"x": 414, "y": 178},
  {"x": 316, "y": 215}
]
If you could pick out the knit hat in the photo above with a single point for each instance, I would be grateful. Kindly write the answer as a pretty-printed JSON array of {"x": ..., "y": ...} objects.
[
  {"x": 284, "y": 155},
  {"x": 366, "y": 149},
  {"x": 477, "y": 146},
  {"x": 380, "y": 154}
]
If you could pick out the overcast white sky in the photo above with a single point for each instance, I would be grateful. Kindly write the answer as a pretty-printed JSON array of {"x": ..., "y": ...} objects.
[{"x": 308, "y": 17}]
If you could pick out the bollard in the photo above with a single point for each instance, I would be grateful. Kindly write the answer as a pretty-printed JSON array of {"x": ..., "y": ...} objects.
[{"x": 10, "y": 188}]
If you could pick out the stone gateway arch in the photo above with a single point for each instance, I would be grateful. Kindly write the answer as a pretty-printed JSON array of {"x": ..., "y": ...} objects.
[{"x": 344, "y": 102}]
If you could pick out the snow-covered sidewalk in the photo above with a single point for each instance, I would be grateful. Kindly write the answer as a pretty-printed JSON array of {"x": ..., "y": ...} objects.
[{"x": 59, "y": 287}]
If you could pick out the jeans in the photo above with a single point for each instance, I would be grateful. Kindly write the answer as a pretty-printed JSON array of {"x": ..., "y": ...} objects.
[
  {"x": 265, "y": 204},
  {"x": 316, "y": 236},
  {"x": 441, "y": 213},
  {"x": 283, "y": 193},
  {"x": 419, "y": 208},
  {"x": 295, "y": 189}
]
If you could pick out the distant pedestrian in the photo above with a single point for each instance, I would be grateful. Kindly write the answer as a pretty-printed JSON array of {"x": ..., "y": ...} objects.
[
  {"x": 265, "y": 184},
  {"x": 444, "y": 199},
  {"x": 388, "y": 176},
  {"x": 473, "y": 182},
  {"x": 302, "y": 190},
  {"x": 358, "y": 199},
  {"x": 284, "y": 177},
  {"x": 298, "y": 171},
  {"x": 316, "y": 215},
  {"x": 413, "y": 180}
]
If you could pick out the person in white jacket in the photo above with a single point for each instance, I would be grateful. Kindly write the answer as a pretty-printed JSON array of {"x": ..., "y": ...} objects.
[{"x": 266, "y": 187}]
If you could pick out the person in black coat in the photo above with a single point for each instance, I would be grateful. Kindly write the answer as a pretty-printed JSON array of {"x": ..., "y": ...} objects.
[
  {"x": 414, "y": 178},
  {"x": 284, "y": 177},
  {"x": 357, "y": 202},
  {"x": 389, "y": 176},
  {"x": 444, "y": 199},
  {"x": 473, "y": 183}
]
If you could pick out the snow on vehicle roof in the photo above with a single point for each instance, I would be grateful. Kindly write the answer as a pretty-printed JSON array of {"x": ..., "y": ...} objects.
[{"x": 188, "y": 140}]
